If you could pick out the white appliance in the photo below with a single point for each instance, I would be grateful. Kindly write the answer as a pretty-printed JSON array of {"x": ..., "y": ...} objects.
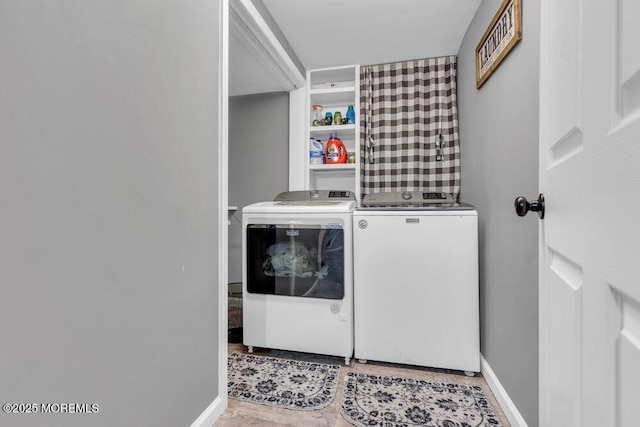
[
  {"x": 416, "y": 291},
  {"x": 297, "y": 275}
]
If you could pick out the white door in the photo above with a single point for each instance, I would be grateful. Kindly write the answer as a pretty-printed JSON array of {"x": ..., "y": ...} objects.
[{"x": 590, "y": 236}]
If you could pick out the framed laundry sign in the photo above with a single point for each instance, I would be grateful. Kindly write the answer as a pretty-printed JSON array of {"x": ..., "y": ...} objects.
[{"x": 504, "y": 32}]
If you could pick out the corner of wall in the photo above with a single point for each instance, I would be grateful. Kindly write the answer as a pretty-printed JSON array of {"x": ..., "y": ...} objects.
[{"x": 499, "y": 138}]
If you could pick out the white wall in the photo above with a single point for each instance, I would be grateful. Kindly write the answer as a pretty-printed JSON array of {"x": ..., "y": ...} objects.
[
  {"x": 499, "y": 161},
  {"x": 108, "y": 225}
]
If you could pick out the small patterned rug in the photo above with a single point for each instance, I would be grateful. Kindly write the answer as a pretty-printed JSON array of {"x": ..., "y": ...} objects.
[
  {"x": 371, "y": 400},
  {"x": 284, "y": 383}
]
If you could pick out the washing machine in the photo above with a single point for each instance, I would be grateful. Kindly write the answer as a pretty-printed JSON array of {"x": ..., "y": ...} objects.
[
  {"x": 297, "y": 273},
  {"x": 416, "y": 296}
]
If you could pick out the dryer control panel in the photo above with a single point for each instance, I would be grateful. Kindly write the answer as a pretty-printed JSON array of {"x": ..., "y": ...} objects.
[{"x": 315, "y": 196}]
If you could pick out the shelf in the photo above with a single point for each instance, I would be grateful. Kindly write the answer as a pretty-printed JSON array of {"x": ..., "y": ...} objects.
[
  {"x": 341, "y": 75},
  {"x": 333, "y": 90},
  {"x": 333, "y": 96},
  {"x": 332, "y": 167},
  {"x": 340, "y": 129}
]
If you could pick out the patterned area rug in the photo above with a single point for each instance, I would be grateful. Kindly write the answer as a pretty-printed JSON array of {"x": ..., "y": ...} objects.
[
  {"x": 371, "y": 400},
  {"x": 283, "y": 383}
]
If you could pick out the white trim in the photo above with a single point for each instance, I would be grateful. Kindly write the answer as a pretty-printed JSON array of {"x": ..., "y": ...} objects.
[
  {"x": 218, "y": 406},
  {"x": 543, "y": 161},
  {"x": 357, "y": 132},
  {"x": 211, "y": 414},
  {"x": 298, "y": 143},
  {"x": 255, "y": 34},
  {"x": 505, "y": 402}
]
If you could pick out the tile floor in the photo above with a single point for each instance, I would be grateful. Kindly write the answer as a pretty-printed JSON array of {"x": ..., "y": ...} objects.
[{"x": 244, "y": 414}]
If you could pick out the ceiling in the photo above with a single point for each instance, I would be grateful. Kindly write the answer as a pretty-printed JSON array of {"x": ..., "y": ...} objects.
[{"x": 330, "y": 33}]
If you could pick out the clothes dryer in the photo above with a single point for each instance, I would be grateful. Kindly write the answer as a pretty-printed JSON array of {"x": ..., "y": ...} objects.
[{"x": 297, "y": 273}]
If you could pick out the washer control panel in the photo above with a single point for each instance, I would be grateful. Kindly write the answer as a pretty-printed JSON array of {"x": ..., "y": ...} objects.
[{"x": 411, "y": 199}]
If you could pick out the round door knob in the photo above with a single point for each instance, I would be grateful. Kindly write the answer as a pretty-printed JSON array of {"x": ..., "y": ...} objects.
[{"x": 523, "y": 206}]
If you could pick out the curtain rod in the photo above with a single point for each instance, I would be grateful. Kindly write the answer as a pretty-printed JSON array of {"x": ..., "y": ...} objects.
[{"x": 408, "y": 60}]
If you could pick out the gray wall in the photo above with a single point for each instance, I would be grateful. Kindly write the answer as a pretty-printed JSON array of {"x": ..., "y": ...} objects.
[
  {"x": 108, "y": 225},
  {"x": 258, "y": 159},
  {"x": 499, "y": 154}
]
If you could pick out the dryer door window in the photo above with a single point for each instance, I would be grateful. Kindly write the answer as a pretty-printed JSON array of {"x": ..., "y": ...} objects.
[{"x": 295, "y": 260}]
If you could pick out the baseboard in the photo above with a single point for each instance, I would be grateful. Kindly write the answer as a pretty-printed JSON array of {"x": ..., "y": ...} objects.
[
  {"x": 211, "y": 414},
  {"x": 507, "y": 405}
]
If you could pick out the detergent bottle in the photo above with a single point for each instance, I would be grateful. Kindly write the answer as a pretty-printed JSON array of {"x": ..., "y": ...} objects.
[
  {"x": 335, "y": 151},
  {"x": 316, "y": 152}
]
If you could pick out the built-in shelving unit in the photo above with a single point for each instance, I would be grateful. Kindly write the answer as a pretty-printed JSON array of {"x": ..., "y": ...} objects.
[{"x": 335, "y": 89}]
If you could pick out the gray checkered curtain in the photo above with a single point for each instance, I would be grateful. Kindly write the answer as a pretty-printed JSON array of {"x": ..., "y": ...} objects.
[{"x": 409, "y": 136}]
